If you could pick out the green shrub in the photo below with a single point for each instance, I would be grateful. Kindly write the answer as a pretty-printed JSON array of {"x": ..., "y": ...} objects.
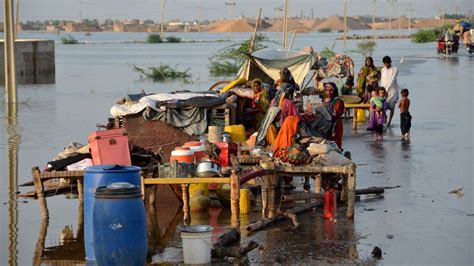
[
  {"x": 423, "y": 36},
  {"x": 154, "y": 38},
  {"x": 324, "y": 30},
  {"x": 173, "y": 39},
  {"x": 68, "y": 40},
  {"x": 162, "y": 73},
  {"x": 366, "y": 48},
  {"x": 430, "y": 35},
  {"x": 328, "y": 52},
  {"x": 228, "y": 60}
]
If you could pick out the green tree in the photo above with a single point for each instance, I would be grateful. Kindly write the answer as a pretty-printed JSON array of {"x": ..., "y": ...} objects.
[{"x": 228, "y": 60}]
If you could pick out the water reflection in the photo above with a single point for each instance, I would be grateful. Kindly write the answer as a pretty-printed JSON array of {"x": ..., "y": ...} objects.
[
  {"x": 70, "y": 249},
  {"x": 13, "y": 145},
  {"x": 317, "y": 239}
]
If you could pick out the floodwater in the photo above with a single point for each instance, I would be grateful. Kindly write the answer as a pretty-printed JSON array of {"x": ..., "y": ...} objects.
[{"x": 418, "y": 223}]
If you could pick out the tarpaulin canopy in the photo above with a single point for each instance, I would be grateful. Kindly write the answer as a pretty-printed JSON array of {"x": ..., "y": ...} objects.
[{"x": 267, "y": 63}]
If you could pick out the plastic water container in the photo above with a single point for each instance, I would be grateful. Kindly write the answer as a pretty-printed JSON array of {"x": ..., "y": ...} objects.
[
  {"x": 182, "y": 155},
  {"x": 198, "y": 148},
  {"x": 361, "y": 116},
  {"x": 237, "y": 133},
  {"x": 98, "y": 176},
  {"x": 120, "y": 232},
  {"x": 196, "y": 244}
]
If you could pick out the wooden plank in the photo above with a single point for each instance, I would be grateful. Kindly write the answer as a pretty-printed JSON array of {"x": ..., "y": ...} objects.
[
  {"x": 187, "y": 180},
  {"x": 357, "y": 105},
  {"x": 62, "y": 174}
]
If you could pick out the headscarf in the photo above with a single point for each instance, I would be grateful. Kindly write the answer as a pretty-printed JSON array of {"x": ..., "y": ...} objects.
[{"x": 333, "y": 85}]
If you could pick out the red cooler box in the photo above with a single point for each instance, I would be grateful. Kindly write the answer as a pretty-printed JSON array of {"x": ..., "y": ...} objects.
[
  {"x": 109, "y": 147},
  {"x": 227, "y": 149}
]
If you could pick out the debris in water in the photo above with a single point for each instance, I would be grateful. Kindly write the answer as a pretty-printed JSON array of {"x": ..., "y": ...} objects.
[
  {"x": 459, "y": 192},
  {"x": 377, "y": 253},
  {"x": 390, "y": 236}
]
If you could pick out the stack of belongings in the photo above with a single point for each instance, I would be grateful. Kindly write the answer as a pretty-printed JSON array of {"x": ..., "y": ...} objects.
[
  {"x": 185, "y": 110},
  {"x": 75, "y": 156}
]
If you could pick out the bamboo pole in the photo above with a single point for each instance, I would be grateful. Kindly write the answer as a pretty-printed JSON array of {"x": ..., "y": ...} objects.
[
  {"x": 292, "y": 41},
  {"x": 285, "y": 25},
  {"x": 345, "y": 22},
  {"x": 40, "y": 192},
  {"x": 373, "y": 33},
  {"x": 309, "y": 196},
  {"x": 234, "y": 199},
  {"x": 254, "y": 36},
  {"x": 17, "y": 19},
  {"x": 9, "y": 53}
]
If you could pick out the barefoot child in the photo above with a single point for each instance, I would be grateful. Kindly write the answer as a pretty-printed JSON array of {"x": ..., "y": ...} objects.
[
  {"x": 379, "y": 119},
  {"x": 380, "y": 103},
  {"x": 405, "y": 117}
]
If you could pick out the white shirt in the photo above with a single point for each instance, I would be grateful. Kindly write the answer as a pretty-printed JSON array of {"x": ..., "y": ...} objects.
[{"x": 388, "y": 80}]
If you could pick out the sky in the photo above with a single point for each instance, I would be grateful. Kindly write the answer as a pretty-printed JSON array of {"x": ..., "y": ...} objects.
[{"x": 216, "y": 9}]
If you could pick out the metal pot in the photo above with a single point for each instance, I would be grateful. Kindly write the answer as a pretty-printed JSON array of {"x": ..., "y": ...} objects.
[{"x": 207, "y": 168}]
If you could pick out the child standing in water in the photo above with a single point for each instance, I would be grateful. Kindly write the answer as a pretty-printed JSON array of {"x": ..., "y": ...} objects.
[
  {"x": 405, "y": 117},
  {"x": 380, "y": 104}
]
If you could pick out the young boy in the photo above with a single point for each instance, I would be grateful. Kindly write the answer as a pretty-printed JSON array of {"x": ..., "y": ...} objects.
[{"x": 405, "y": 117}]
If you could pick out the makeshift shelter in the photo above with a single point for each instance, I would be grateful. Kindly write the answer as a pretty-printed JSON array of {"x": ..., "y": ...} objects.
[{"x": 267, "y": 63}]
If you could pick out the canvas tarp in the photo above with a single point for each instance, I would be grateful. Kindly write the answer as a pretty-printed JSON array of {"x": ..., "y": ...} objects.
[{"x": 269, "y": 61}]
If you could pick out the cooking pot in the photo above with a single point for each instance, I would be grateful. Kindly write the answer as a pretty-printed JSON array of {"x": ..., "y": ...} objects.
[{"x": 206, "y": 168}]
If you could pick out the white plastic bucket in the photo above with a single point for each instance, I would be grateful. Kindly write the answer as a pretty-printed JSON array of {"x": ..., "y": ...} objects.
[{"x": 196, "y": 244}]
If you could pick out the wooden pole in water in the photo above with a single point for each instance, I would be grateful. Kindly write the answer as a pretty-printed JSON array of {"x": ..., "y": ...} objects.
[
  {"x": 40, "y": 192},
  {"x": 373, "y": 22},
  {"x": 390, "y": 15},
  {"x": 285, "y": 25},
  {"x": 345, "y": 21},
  {"x": 254, "y": 36},
  {"x": 17, "y": 19},
  {"x": 162, "y": 12},
  {"x": 9, "y": 53},
  {"x": 399, "y": 16},
  {"x": 409, "y": 15}
]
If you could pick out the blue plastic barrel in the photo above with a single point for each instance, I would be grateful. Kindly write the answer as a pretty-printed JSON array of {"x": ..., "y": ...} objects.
[
  {"x": 120, "y": 233},
  {"x": 97, "y": 176}
]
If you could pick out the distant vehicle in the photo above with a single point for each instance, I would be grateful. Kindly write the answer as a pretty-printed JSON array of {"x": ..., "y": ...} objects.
[{"x": 448, "y": 43}]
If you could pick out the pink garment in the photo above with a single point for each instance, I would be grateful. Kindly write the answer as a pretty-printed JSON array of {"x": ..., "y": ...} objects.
[{"x": 288, "y": 108}]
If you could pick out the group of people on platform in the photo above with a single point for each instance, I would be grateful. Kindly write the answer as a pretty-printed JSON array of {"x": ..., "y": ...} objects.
[{"x": 274, "y": 111}]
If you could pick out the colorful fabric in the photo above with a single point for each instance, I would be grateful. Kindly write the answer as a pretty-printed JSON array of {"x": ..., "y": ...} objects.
[
  {"x": 267, "y": 121},
  {"x": 288, "y": 109},
  {"x": 287, "y": 132},
  {"x": 294, "y": 154},
  {"x": 335, "y": 107}
]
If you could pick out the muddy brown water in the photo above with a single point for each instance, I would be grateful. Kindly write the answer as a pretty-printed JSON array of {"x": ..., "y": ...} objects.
[{"x": 418, "y": 223}]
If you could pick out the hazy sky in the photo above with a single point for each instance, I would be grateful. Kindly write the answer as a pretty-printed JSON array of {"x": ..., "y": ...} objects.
[{"x": 214, "y": 9}]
